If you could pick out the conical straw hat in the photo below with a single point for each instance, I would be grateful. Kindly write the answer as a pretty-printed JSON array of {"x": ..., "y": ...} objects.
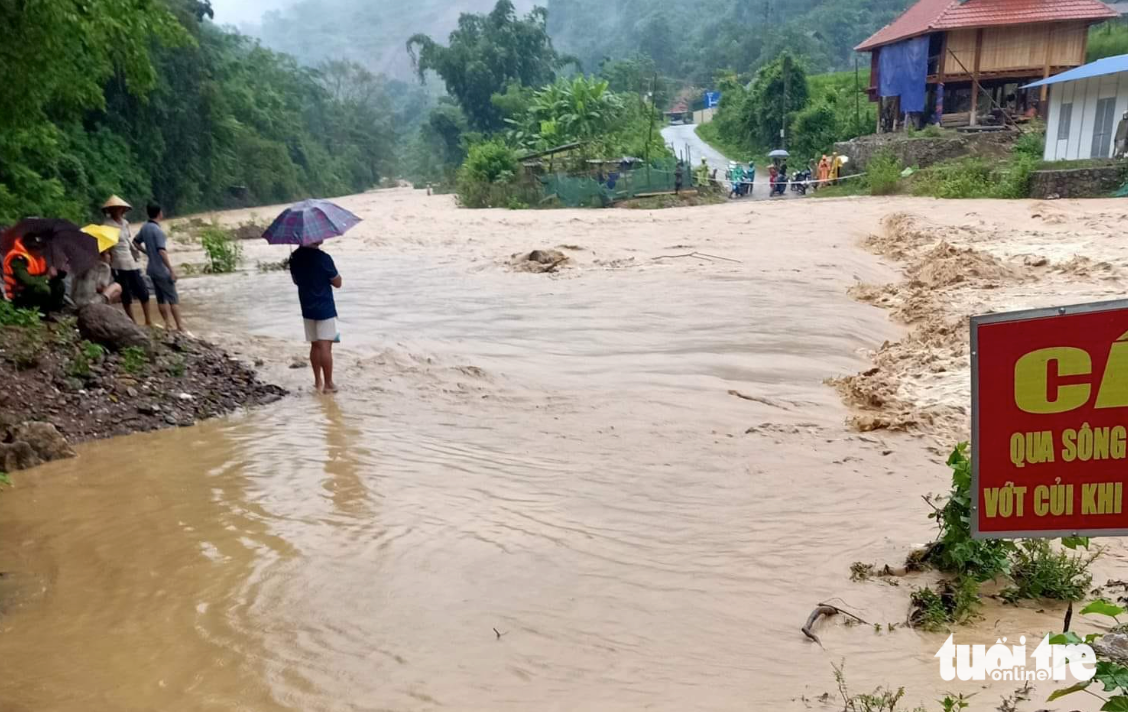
[{"x": 116, "y": 202}]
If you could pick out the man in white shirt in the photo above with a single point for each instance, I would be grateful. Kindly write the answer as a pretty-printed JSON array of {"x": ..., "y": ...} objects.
[{"x": 123, "y": 260}]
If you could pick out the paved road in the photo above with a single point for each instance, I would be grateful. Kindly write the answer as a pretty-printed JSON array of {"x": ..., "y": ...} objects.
[{"x": 678, "y": 137}]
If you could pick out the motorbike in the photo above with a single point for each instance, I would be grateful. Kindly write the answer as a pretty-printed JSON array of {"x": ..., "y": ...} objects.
[
  {"x": 780, "y": 186},
  {"x": 801, "y": 182}
]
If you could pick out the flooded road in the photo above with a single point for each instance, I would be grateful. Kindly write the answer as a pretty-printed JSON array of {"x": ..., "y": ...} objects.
[{"x": 534, "y": 492}]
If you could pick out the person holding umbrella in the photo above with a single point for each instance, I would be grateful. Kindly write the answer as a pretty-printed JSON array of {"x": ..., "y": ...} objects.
[
  {"x": 307, "y": 225},
  {"x": 29, "y": 283}
]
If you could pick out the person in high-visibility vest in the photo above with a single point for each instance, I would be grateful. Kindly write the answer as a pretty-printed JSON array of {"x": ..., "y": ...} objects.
[{"x": 28, "y": 282}]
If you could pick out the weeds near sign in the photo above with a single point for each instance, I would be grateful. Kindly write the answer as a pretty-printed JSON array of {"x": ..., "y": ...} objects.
[
  {"x": 954, "y": 551},
  {"x": 1040, "y": 572}
]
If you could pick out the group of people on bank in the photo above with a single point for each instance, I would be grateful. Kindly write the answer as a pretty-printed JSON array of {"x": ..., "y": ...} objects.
[{"x": 31, "y": 282}]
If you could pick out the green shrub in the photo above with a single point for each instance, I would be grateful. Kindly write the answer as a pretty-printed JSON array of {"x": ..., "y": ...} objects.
[
  {"x": 955, "y": 551},
  {"x": 488, "y": 179},
  {"x": 134, "y": 360},
  {"x": 1014, "y": 181},
  {"x": 883, "y": 174},
  {"x": 959, "y": 179},
  {"x": 222, "y": 250},
  {"x": 974, "y": 177},
  {"x": 1038, "y": 571},
  {"x": 1032, "y": 142},
  {"x": 88, "y": 353},
  {"x": 953, "y": 602},
  {"x": 11, "y": 316}
]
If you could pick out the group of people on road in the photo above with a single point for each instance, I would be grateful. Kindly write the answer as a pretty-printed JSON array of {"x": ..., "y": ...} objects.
[
  {"x": 30, "y": 282},
  {"x": 828, "y": 170}
]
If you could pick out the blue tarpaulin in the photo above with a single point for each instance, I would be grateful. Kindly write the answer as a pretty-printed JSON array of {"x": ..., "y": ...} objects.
[{"x": 903, "y": 72}]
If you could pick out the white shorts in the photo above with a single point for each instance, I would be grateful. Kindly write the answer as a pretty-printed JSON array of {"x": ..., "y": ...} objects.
[{"x": 324, "y": 330}]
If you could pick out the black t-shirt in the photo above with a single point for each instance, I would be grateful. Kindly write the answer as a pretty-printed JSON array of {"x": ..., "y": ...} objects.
[{"x": 313, "y": 271}]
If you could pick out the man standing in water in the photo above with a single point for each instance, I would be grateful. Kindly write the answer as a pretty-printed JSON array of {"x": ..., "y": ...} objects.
[{"x": 316, "y": 276}]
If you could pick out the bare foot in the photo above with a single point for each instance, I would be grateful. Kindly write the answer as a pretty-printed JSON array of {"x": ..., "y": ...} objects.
[
  {"x": 318, "y": 387},
  {"x": 331, "y": 388}
]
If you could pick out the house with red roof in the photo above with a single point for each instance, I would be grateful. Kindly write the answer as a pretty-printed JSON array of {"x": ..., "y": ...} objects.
[{"x": 959, "y": 61}]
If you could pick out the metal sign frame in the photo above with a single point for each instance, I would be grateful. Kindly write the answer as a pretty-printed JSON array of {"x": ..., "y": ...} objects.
[{"x": 1024, "y": 315}]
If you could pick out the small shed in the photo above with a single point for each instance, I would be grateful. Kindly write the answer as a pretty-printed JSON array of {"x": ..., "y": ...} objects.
[{"x": 1086, "y": 106}]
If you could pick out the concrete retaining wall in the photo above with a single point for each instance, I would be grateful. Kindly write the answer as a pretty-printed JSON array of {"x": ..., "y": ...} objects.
[
  {"x": 1092, "y": 182},
  {"x": 923, "y": 152}
]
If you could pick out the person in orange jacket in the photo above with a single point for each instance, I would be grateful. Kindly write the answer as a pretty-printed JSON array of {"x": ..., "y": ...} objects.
[{"x": 28, "y": 281}]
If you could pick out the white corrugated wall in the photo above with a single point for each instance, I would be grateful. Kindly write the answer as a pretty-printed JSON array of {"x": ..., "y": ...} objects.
[{"x": 1082, "y": 96}]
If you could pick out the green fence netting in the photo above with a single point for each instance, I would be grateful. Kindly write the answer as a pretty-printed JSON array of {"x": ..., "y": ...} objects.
[{"x": 577, "y": 191}]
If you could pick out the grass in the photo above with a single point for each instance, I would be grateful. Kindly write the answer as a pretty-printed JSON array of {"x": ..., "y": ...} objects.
[
  {"x": 854, "y": 186},
  {"x": 1068, "y": 165},
  {"x": 734, "y": 152}
]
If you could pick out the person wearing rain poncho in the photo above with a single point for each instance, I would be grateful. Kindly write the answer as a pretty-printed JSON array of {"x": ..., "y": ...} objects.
[
  {"x": 702, "y": 174},
  {"x": 28, "y": 281},
  {"x": 736, "y": 177}
]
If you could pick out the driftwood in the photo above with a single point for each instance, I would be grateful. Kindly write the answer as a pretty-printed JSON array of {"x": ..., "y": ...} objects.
[
  {"x": 699, "y": 256},
  {"x": 825, "y": 609},
  {"x": 814, "y": 617}
]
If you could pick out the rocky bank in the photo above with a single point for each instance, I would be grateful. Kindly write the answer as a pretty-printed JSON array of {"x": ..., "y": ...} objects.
[{"x": 96, "y": 375}]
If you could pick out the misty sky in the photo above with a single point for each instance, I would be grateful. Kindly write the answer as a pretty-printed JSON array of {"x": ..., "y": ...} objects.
[{"x": 238, "y": 12}]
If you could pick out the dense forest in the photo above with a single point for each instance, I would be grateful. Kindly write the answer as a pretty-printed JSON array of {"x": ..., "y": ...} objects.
[
  {"x": 694, "y": 39},
  {"x": 148, "y": 98}
]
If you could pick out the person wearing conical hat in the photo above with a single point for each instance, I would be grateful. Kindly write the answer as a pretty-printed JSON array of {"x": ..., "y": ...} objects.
[{"x": 123, "y": 260}]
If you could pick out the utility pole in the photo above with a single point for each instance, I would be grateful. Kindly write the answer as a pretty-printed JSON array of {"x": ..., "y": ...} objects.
[
  {"x": 650, "y": 134},
  {"x": 857, "y": 97},
  {"x": 786, "y": 99}
]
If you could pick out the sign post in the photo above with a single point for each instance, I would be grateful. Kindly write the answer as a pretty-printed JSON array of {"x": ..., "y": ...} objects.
[{"x": 1050, "y": 422}]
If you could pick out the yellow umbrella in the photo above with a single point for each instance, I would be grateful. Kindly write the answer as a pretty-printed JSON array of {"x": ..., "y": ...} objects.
[{"x": 107, "y": 236}]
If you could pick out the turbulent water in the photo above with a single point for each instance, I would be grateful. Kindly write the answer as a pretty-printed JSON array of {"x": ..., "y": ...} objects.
[{"x": 534, "y": 491}]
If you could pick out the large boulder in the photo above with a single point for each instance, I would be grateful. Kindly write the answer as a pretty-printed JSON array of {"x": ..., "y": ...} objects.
[
  {"x": 31, "y": 445},
  {"x": 47, "y": 442},
  {"x": 110, "y": 327},
  {"x": 18, "y": 456}
]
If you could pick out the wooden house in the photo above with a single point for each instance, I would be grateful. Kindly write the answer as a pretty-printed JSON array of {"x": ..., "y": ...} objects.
[{"x": 958, "y": 61}]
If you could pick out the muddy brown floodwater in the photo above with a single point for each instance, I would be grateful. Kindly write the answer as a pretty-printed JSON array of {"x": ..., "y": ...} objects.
[{"x": 555, "y": 456}]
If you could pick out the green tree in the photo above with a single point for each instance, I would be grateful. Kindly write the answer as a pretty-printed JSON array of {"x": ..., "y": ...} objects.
[
  {"x": 146, "y": 98},
  {"x": 579, "y": 110},
  {"x": 777, "y": 94},
  {"x": 486, "y": 53}
]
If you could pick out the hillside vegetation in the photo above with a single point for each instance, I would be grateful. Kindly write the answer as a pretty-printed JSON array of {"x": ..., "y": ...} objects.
[{"x": 158, "y": 102}]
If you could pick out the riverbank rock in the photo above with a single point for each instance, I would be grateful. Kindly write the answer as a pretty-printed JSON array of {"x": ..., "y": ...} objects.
[
  {"x": 45, "y": 439},
  {"x": 109, "y": 326},
  {"x": 31, "y": 445}
]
